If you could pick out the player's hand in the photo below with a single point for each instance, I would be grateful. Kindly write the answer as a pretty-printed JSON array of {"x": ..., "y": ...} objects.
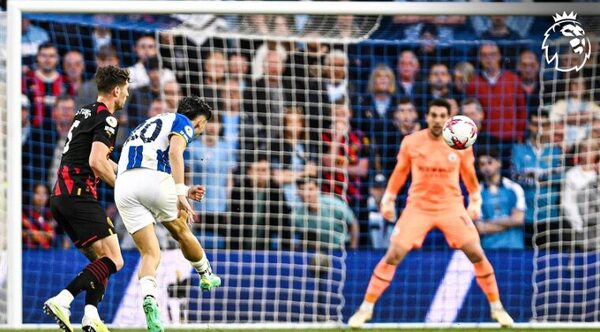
[
  {"x": 474, "y": 208},
  {"x": 196, "y": 193},
  {"x": 184, "y": 205},
  {"x": 388, "y": 207}
]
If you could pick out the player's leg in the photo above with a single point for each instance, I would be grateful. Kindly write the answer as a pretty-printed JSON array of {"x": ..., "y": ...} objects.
[
  {"x": 192, "y": 251},
  {"x": 147, "y": 243},
  {"x": 462, "y": 234},
  {"x": 409, "y": 233}
]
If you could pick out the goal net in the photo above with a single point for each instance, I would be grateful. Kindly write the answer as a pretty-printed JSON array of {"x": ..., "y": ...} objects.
[
  {"x": 309, "y": 113},
  {"x": 567, "y": 225}
]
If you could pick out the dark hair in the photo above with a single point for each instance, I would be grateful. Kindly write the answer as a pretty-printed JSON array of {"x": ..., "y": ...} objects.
[
  {"x": 63, "y": 97},
  {"x": 306, "y": 180},
  {"x": 489, "y": 151},
  {"x": 541, "y": 112},
  {"x": 440, "y": 102},
  {"x": 152, "y": 64},
  {"x": 107, "y": 78},
  {"x": 46, "y": 45},
  {"x": 193, "y": 107}
]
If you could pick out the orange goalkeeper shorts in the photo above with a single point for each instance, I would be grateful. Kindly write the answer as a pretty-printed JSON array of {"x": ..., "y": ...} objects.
[{"x": 414, "y": 224}]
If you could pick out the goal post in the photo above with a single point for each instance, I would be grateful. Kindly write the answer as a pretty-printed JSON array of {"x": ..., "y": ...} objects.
[{"x": 17, "y": 8}]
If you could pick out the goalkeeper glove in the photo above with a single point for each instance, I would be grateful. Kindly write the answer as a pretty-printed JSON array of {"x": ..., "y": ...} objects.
[
  {"x": 388, "y": 206},
  {"x": 474, "y": 208}
]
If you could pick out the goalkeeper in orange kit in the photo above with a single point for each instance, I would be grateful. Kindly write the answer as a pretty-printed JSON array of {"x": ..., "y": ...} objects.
[{"x": 434, "y": 201}]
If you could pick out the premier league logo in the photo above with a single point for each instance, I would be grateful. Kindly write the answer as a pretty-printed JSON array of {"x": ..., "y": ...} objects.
[{"x": 566, "y": 38}]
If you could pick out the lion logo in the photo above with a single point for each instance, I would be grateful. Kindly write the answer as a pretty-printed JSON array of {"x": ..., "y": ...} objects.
[{"x": 566, "y": 31}]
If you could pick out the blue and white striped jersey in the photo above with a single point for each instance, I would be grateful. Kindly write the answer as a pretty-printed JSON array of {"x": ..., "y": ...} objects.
[{"x": 148, "y": 144}]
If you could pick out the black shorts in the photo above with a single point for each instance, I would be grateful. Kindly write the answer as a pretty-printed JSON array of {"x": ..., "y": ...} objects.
[{"x": 82, "y": 218}]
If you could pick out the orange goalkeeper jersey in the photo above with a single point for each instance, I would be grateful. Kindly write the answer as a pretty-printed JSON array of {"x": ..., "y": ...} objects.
[{"x": 435, "y": 170}]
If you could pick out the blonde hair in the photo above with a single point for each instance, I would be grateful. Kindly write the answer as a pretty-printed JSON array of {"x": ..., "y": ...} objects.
[
  {"x": 382, "y": 69},
  {"x": 466, "y": 69}
]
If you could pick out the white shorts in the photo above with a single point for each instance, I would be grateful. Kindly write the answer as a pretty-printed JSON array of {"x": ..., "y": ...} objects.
[{"x": 144, "y": 196}]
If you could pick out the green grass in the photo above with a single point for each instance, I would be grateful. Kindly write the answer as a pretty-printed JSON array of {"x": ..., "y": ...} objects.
[{"x": 339, "y": 329}]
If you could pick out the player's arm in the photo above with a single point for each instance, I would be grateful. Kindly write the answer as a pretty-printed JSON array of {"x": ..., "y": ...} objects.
[
  {"x": 569, "y": 204},
  {"x": 469, "y": 178},
  {"x": 395, "y": 183},
  {"x": 177, "y": 144},
  {"x": 101, "y": 164}
]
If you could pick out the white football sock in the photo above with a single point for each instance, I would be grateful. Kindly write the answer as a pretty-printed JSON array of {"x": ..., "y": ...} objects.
[
  {"x": 367, "y": 306},
  {"x": 496, "y": 305},
  {"x": 91, "y": 311},
  {"x": 202, "y": 266},
  {"x": 64, "y": 298},
  {"x": 149, "y": 286}
]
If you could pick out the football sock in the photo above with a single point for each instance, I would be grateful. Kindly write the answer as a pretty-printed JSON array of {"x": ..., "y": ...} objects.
[
  {"x": 202, "y": 266},
  {"x": 91, "y": 311},
  {"x": 149, "y": 286},
  {"x": 486, "y": 279},
  {"x": 92, "y": 276},
  {"x": 380, "y": 280},
  {"x": 64, "y": 298}
]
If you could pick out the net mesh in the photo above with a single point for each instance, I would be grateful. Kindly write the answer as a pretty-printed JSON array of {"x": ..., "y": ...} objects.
[
  {"x": 567, "y": 233},
  {"x": 324, "y": 97},
  {"x": 3, "y": 171}
]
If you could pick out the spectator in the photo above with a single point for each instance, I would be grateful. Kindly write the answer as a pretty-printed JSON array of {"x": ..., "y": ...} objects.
[
  {"x": 499, "y": 30},
  {"x": 213, "y": 76},
  {"x": 503, "y": 208},
  {"x": 259, "y": 212},
  {"x": 231, "y": 107},
  {"x": 106, "y": 55},
  {"x": 430, "y": 51},
  {"x": 405, "y": 122},
  {"x": 180, "y": 54},
  {"x": 373, "y": 118},
  {"x": 324, "y": 222},
  {"x": 63, "y": 115},
  {"x": 529, "y": 73},
  {"x": 336, "y": 76},
  {"x": 43, "y": 85},
  {"x": 295, "y": 156},
  {"x": 519, "y": 24},
  {"x": 264, "y": 105},
  {"x": 39, "y": 229},
  {"x": 140, "y": 99},
  {"x": 145, "y": 48},
  {"x": 578, "y": 110},
  {"x": 238, "y": 69},
  {"x": 464, "y": 72},
  {"x": 379, "y": 229},
  {"x": 408, "y": 70},
  {"x": 73, "y": 68},
  {"x": 579, "y": 197},
  {"x": 32, "y": 37},
  {"x": 413, "y": 25},
  {"x": 158, "y": 106},
  {"x": 499, "y": 92},
  {"x": 454, "y": 109},
  {"x": 345, "y": 163},
  {"x": 211, "y": 162},
  {"x": 345, "y": 27},
  {"x": 438, "y": 83},
  {"x": 172, "y": 93},
  {"x": 473, "y": 110},
  {"x": 537, "y": 168}
]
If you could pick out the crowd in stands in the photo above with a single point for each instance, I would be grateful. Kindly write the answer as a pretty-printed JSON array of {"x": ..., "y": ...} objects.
[{"x": 305, "y": 134}]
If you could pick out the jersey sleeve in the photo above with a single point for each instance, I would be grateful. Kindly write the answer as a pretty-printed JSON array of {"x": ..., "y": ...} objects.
[
  {"x": 105, "y": 128},
  {"x": 182, "y": 126}
]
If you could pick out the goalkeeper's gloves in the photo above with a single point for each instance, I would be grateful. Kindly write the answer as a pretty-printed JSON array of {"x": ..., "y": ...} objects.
[
  {"x": 388, "y": 206},
  {"x": 474, "y": 208}
]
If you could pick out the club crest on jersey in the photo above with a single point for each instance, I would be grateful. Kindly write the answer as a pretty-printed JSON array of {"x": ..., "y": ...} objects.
[
  {"x": 112, "y": 121},
  {"x": 452, "y": 157},
  {"x": 189, "y": 131}
]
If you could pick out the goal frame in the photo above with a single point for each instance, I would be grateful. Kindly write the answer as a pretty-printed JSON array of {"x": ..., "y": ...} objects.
[{"x": 16, "y": 8}]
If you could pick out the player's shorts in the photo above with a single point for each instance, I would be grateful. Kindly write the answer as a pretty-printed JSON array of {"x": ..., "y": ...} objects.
[
  {"x": 414, "y": 225},
  {"x": 144, "y": 196},
  {"x": 82, "y": 218}
]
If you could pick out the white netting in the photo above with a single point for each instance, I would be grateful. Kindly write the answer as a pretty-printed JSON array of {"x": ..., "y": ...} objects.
[
  {"x": 3, "y": 170},
  {"x": 567, "y": 212}
]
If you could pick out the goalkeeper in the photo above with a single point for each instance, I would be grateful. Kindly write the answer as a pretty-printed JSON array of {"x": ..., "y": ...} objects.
[
  {"x": 434, "y": 201},
  {"x": 146, "y": 191}
]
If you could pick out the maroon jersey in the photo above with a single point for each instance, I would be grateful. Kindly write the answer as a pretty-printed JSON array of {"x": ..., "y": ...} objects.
[{"x": 92, "y": 123}]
